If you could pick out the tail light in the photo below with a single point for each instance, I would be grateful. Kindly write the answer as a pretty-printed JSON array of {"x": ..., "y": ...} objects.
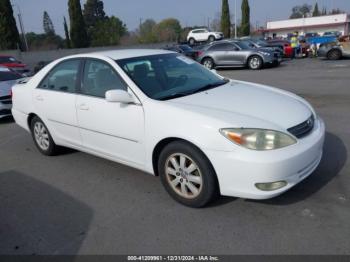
[{"x": 199, "y": 53}]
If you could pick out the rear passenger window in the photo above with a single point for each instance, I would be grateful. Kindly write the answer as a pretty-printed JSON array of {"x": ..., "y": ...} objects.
[
  {"x": 63, "y": 77},
  {"x": 99, "y": 77}
]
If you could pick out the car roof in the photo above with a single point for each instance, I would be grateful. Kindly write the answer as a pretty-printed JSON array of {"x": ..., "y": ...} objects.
[{"x": 125, "y": 53}]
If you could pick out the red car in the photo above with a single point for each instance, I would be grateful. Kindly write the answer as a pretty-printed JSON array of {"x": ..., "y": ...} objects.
[
  {"x": 285, "y": 44},
  {"x": 14, "y": 64}
]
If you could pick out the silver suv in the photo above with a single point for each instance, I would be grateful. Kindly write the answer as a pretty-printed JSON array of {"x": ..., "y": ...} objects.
[{"x": 235, "y": 53}]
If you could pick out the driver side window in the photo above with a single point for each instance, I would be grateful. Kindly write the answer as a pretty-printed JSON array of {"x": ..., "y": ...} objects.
[{"x": 99, "y": 77}]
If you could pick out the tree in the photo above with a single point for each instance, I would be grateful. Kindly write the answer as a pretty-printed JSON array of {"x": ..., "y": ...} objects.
[
  {"x": 44, "y": 41},
  {"x": 78, "y": 34},
  {"x": 168, "y": 30},
  {"x": 66, "y": 33},
  {"x": 245, "y": 24},
  {"x": 301, "y": 11},
  {"x": 93, "y": 12},
  {"x": 147, "y": 32},
  {"x": 324, "y": 11},
  {"x": 336, "y": 11},
  {"x": 108, "y": 32},
  {"x": 48, "y": 25},
  {"x": 225, "y": 19},
  {"x": 8, "y": 30},
  {"x": 316, "y": 11}
]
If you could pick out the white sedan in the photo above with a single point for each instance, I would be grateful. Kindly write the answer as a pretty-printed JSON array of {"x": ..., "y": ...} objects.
[{"x": 165, "y": 114}]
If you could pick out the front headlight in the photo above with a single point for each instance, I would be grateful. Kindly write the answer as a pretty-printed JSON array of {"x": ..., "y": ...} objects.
[
  {"x": 258, "y": 139},
  {"x": 265, "y": 53}
]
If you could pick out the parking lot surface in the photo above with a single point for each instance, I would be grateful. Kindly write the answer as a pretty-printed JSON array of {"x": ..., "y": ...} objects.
[{"x": 80, "y": 204}]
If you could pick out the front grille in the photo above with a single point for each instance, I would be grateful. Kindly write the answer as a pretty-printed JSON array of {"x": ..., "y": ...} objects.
[{"x": 303, "y": 129}]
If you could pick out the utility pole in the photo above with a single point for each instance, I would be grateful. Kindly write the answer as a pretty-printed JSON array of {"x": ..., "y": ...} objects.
[
  {"x": 235, "y": 19},
  {"x": 22, "y": 27}
]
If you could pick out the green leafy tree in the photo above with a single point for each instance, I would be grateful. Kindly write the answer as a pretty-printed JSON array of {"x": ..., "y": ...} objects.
[
  {"x": 316, "y": 11},
  {"x": 48, "y": 25},
  {"x": 108, "y": 32},
  {"x": 93, "y": 12},
  {"x": 301, "y": 11},
  {"x": 78, "y": 34},
  {"x": 147, "y": 31},
  {"x": 225, "y": 19},
  {"x": 245, "y": 23},
  {"x": 66, "y": 33},
  {"x": 9, "y": 36},
  {"x": 168, "y": 30},
  {"x": 44, "y": 41}
]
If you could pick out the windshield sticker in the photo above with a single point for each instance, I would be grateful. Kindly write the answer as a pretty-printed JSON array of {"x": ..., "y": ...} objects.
[{"x": 185, "y": 59}]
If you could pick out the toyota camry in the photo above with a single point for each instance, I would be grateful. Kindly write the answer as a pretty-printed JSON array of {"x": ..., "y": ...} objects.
[{"x": 165, "y": 114}]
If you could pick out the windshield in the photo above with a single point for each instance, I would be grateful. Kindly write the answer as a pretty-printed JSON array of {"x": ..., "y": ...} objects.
[
  {"x": 8, "y": 76},
  {"x": 164, "y": 77}
]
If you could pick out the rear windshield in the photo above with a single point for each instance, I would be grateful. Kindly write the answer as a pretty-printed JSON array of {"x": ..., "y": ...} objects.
[
  {"x": 8, "y": 76},
  {"x": 7, "y": 59}
]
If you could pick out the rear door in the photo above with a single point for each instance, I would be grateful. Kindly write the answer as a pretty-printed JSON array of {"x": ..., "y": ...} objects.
[{"x": 55, "y": 99}]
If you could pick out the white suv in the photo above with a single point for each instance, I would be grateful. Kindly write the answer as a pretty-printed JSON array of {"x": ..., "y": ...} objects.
[{"x": 203, "y": 34}]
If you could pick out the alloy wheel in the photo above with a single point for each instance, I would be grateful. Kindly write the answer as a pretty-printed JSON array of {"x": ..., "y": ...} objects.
[
  {"x": 41, "y": 136},
  {"x": 184, "y": 176}
]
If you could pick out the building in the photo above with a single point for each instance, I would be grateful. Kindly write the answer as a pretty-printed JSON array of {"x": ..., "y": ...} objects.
[{"x": 319, "y": 24}]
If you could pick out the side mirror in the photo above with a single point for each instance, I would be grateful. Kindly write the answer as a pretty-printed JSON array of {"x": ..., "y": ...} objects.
[{"x": 119, "y": 96}]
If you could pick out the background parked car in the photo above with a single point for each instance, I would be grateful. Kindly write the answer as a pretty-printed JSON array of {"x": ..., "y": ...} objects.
[
  {"x": 7, "y": 79},
  {"x": 233, "y": 53},
  {"x": 13, "y": 63},
  {"x": 284, "y": 44},
  {"x": 183, "y": 49},
  {"x": 263, "y": 45},
  {"x": 202, "y": 35},
  {"x": 335, "y": 50}
]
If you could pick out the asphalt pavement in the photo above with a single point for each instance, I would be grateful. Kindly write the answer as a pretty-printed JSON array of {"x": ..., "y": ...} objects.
[{"x": 76, "y": 203}]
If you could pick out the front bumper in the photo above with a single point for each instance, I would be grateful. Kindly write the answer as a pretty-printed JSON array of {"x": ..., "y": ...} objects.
[{"x": 239, "y": 171}]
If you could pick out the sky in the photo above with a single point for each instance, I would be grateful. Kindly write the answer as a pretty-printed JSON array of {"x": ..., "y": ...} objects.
[{"x": 189, "y": 12}]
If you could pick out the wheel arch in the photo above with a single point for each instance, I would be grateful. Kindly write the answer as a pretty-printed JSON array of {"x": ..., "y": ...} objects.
[
  {"x": 252, "y": 55},
  {"x": 30, "y": 118},
  {"x": 166, "y": 141}
]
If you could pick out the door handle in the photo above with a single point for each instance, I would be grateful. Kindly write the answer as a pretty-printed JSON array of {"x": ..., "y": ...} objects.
[
  {"x": 39, "y": 98},
  {"x": 83, "y": 107}
]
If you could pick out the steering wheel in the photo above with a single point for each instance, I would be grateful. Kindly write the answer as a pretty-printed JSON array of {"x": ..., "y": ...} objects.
[{"x": 182, "y": 79}]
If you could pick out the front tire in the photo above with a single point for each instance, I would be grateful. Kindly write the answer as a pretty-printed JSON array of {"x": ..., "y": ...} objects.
[
  {"x": 208, "y": 63},
  {"x": 192, "y": 41},
  {"x": 187, "y": 175},
  {"x": 255, "y": 62},
  {"x": 334, "y": 54},
  {"x": 42, "y": 137}
]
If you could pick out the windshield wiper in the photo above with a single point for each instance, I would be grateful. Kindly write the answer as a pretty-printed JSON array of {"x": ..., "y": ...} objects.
[
  {"x": 210, "y": 86},
  {"x": 198, "y": 90}
]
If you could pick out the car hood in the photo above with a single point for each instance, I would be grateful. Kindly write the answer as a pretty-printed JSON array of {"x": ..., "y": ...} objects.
[
  {"x": 5, "y": 87},
  {"x": 248, "y": 105}
]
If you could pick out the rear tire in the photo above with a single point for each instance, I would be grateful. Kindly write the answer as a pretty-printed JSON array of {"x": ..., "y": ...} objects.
[
  {"x": 255, "y": 62},
  {"x": 208, "y": 63},
  {"x": 211, "y": 38},
  {"x": 334, "y": 54},
  {"x": 187, "y": 175},
  {"x": 42, "y": 137}
]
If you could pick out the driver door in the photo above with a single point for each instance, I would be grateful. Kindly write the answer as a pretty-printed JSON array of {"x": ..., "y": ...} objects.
[{"x": 115, "y": 130}]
